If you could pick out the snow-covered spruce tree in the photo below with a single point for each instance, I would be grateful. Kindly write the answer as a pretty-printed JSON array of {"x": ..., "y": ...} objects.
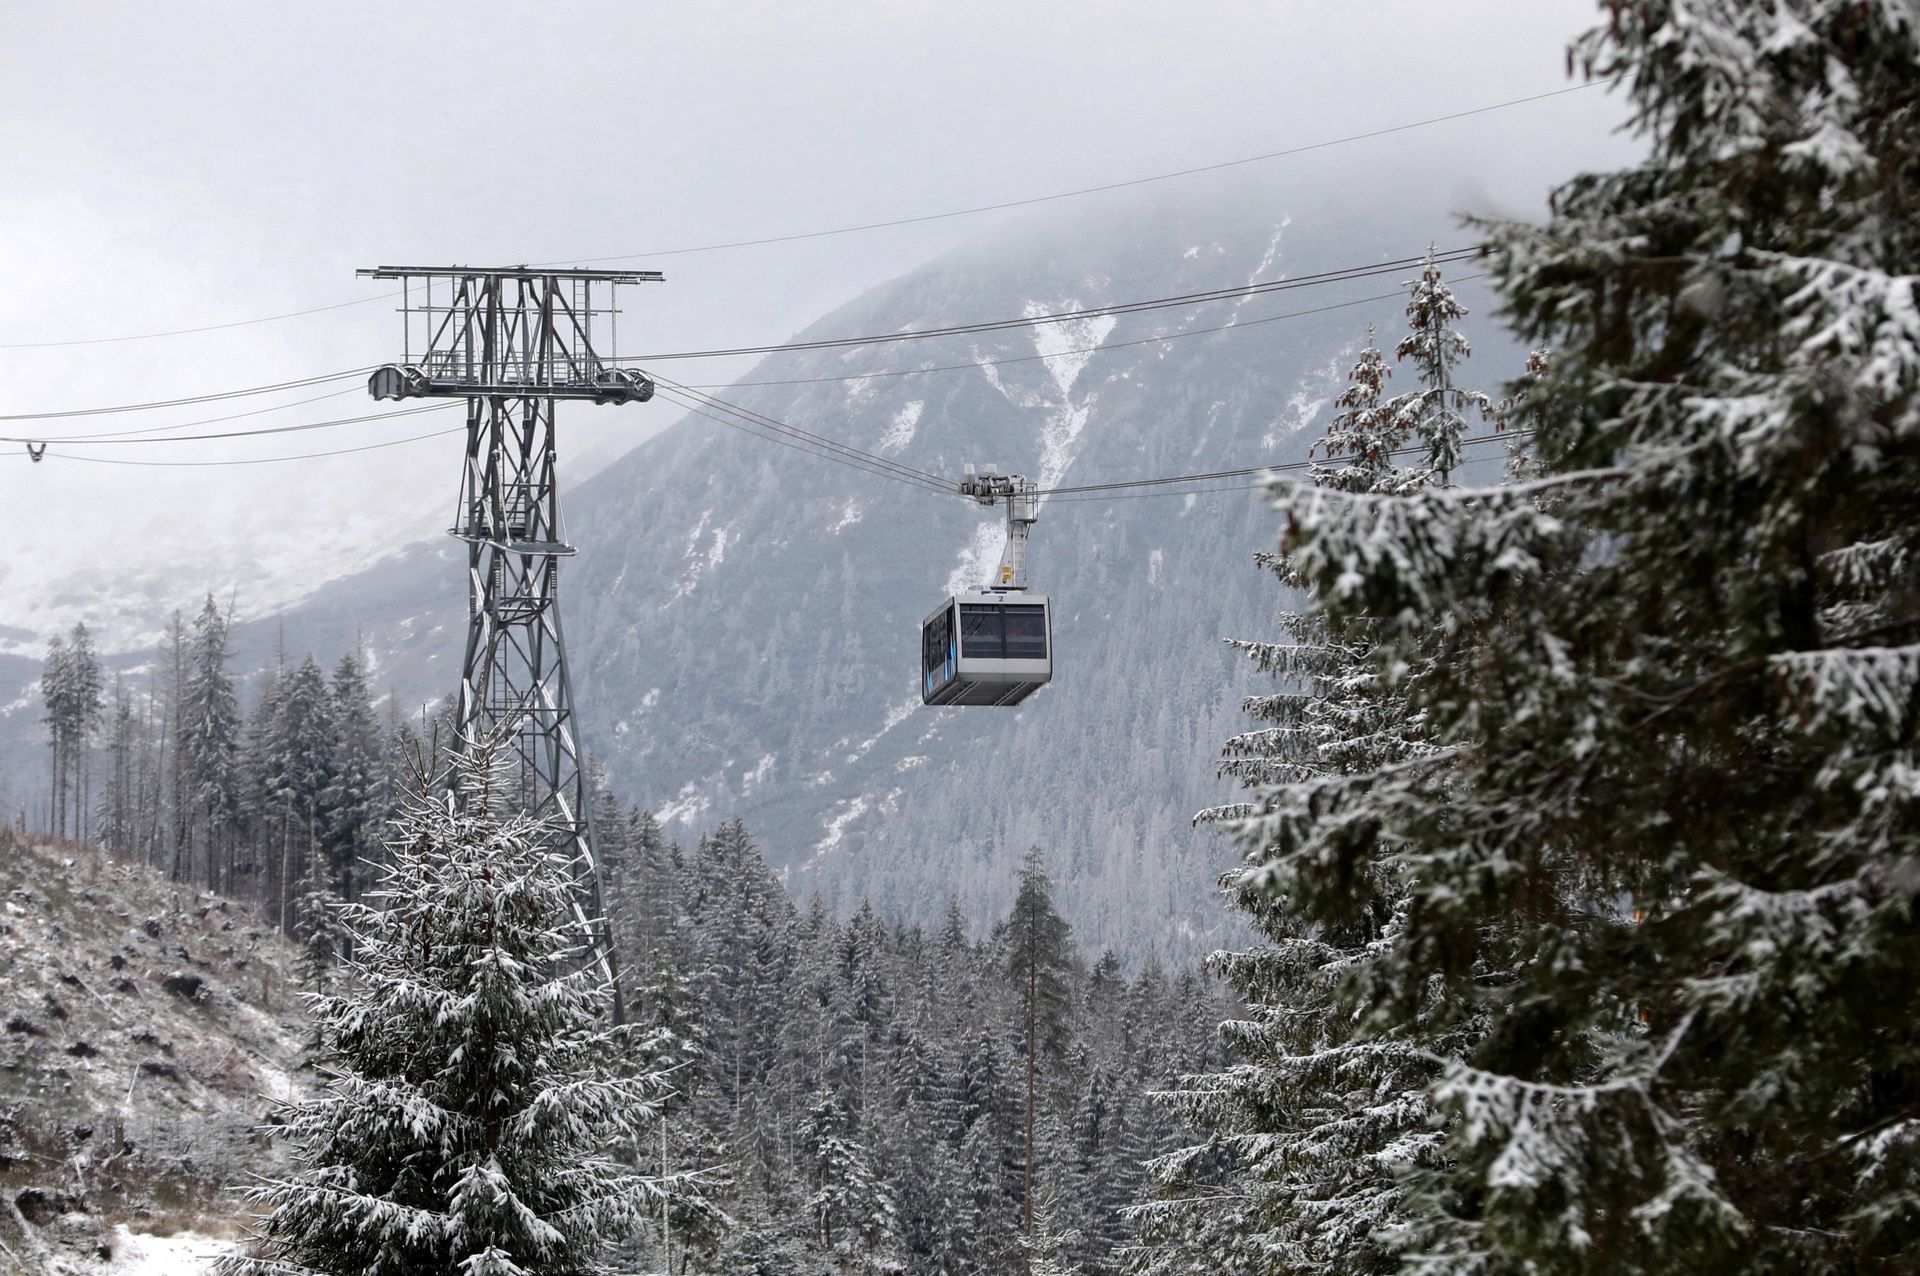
[
  {"x": 1436, "y": 413},
  {"x": 323, "y": 939},
  {"x": 57, "y": 695},
  {"x": 1046, "y": 1249},
  {"x": 208, "y": 747},
  {"x": 1682, "y": 667},
  {"x": 1038, "y": 971},
  {"x": 352, "y": 798},
  {"x": 850, "y": 1207},
  {"x": 1312, "y": 1134},
  {"x": 464, "y": 1129}
]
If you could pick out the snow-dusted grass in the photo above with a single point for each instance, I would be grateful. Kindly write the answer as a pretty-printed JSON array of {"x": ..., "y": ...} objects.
[{"x": 137, "y": 1254}]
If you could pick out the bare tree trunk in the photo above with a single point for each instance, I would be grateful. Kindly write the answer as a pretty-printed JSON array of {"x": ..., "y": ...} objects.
[
  {"x": 286, "y": 868},
  {"x": 1033, "y": 992}
]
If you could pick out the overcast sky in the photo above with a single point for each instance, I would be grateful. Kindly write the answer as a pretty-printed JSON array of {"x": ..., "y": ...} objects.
[{"x": 188, "y": 164}]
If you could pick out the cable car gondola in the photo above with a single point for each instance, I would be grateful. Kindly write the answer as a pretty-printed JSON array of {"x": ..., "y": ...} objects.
[{"x": 993, "y": 646}]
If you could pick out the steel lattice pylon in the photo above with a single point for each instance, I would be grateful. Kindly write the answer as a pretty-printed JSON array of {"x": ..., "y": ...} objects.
[{"x": 512, "y": 342}]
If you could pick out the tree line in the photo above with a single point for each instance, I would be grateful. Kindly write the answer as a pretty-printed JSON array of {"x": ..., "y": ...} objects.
[
  {"x": 253, "y": 801},
  {"x": 876, "y": 1097}
]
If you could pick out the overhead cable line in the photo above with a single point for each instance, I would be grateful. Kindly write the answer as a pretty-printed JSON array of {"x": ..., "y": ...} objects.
[
  {"x": 1141, "y": 496},
  {"x": 299, "y": 384},
  {"x": 1104, "y": 187},
  {"x": 795, "y": 431},
  {"x": 1257, "y": 288},
  {"x": 1078, "y": 350},
  {"x": 882, "y": 225},
  {"x": 1084, "y": 491},
  {"x": 301, "y": 428},
  {"x": 744, "y": 425},
  {"x": 807, "y": 441},
  {"x": 187, "y": 425},
  {"x": 270, "y": 460},
  {"x": 185, "y": 332}
]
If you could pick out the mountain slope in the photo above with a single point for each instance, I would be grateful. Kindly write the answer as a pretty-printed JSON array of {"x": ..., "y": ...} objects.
[{"x": 745, "y": 619}]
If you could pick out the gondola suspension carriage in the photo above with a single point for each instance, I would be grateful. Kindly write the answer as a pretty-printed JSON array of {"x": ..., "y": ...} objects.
[{"x": 993, "y": 646}]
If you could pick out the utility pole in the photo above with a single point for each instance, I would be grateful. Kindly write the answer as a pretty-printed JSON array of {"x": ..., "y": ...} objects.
[{"x": 514, "y": 341}]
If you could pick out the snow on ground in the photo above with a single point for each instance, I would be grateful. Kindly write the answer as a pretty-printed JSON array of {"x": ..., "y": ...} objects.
[
  {"x": 895, "y": 716},
  {"x": 136, "y": 1254},
  {"x": 1068, "y": 346},
  {"x": 836, "y": 825},
  {"x": 979, "y": 554},
  {"x": 900, "y": 431},
  {"x": 686, "y": 805}
]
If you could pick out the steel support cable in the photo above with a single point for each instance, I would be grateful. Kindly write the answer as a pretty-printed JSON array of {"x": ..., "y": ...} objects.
[
  {"x": 1079, "y": 350},
  {"x": 185, "y": 332},
  {"x": 756, "y": 430},
  {"x": 1087, "y": 491},
  {"x": 774, "y": 423},
  {"x": 271, "y": 460},
  {"x": 301, "y": 428},
  {"x": 882, "y": 225},
  {"x": 784, "y": 427},
  {"x": 187, "y": 425},
  {"x": 747, "y": 426},
  {"x": 299, "y": 384},
  {"x": 1255, "y": 289}
]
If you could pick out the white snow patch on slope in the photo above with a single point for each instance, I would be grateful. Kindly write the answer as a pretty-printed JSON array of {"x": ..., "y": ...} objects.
[
  {"x": 849, "y": 515},
  {"x": 900, "y": 431},
  {"x": 758, "y": 775},
  {"x": 647, "y": 702},
  {"x": 1153, "y": 566},
  {"x": 276, "y": 1084},
  {"x": 978, "y": 556},
  {"x": 1266, "y": 259},
  {"x": 699, "y": 530},
  {"x": 137, "y": 1254},
  {"x": 895, "y": 716},
  {"x": 836, "y": 824},
  {"x": 1066, "y": 347},
  {"x": 1057, "y": 439},
  {"x": 1309, "y": 398},
  {"x": 1000, "y": 387},
  {"x": 685, "y": 805},
  {"x": 699, "y": 564}
]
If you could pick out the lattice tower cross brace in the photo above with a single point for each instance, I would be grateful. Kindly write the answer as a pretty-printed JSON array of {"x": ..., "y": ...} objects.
[{"x": 512, "y": 342}]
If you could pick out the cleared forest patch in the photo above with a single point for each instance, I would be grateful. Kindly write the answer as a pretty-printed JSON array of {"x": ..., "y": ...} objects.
[{"x": 144, "y": 1030}]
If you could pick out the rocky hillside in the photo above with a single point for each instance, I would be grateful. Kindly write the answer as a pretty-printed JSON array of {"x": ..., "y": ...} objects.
[{"x": 146, "y": 1030}]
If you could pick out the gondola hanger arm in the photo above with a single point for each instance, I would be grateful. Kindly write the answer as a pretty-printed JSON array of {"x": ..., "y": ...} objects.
[{"x": 987, "y": 487}]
